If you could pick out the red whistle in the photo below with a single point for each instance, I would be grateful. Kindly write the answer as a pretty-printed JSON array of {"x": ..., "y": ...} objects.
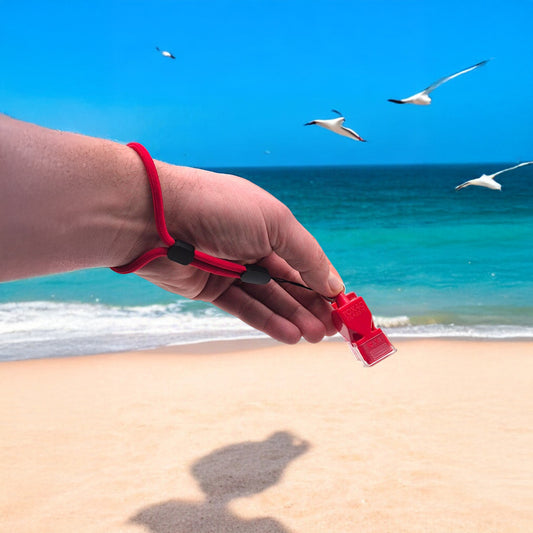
[{"x": 353, "y": 320}]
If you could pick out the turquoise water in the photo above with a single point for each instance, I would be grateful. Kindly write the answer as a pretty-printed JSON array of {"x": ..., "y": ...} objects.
[{"x": 429, "y": 261}]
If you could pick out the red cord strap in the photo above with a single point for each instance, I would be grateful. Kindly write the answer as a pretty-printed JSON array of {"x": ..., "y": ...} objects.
[{"x": 182, "y": 252}]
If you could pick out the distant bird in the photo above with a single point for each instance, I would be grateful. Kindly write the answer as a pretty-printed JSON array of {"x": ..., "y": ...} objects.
[
  {"x": 423, "y": 98},
  {"x": 165, "y": 53},
  {"x": 336, "y": 126},
  {"x": 489, "y": 181}
]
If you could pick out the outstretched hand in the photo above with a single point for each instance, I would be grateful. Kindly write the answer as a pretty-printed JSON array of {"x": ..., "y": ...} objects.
[{"x": 231, "y": 218}]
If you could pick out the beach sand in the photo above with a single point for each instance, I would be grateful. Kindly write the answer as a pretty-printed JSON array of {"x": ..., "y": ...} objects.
[{"x": 262, "y": 437}]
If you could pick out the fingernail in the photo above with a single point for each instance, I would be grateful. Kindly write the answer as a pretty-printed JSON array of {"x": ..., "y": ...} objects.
[{"x": 336, "y": 286}]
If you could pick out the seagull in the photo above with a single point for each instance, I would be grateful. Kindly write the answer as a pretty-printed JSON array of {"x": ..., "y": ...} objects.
[
  {"x": 423, "y": 98},
  {"x": 336, "y": 126},
  {"x": 165, "y": 53},
  {"x": 489, "y": 181}
]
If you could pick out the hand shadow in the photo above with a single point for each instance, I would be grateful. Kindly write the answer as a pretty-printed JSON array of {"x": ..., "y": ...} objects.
[{"x": 235, "y": 471}]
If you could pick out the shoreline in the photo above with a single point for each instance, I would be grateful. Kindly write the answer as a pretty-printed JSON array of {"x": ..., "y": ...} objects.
[
  {"x": 223, "y": 345},
  {"x": 265, "y": 437}
]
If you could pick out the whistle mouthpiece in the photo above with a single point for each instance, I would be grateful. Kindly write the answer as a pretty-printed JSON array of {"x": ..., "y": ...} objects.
[{"x": 353, "y": 321}]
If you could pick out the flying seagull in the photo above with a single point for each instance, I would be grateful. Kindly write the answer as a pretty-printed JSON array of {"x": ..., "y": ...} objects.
[
  {"x": 489, "y": 181},
  {"x": 336, "y": 126},
  {"x": 423, "y": 98},
  {"x": 165, "y": 53}
]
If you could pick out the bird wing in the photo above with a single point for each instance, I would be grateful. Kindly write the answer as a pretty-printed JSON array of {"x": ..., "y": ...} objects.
[
  {"x": 463, "y": 185},
  {"x": 338, "y": 112},
  {"x": 351, "y": 133},
  {"x": 512, "y": 168},
  {"x": 439, "y": 82}
]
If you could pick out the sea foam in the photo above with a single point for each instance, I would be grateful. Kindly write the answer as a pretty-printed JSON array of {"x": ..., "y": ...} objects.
[{"x": 54, "y": 329}]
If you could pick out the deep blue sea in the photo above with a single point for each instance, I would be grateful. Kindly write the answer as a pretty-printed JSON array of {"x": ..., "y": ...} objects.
[{"x": 429, "y": 261}]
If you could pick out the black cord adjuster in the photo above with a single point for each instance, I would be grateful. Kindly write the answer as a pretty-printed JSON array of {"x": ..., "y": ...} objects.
[
  {"x": 255, "y": 274},
  {"x": 181, "y": 252}
]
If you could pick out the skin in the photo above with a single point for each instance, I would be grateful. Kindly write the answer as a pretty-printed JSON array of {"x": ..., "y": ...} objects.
[{"x": 69, "y": 202}]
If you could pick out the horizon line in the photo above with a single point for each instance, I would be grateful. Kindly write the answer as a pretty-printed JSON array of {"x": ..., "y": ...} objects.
[{"x": 295, "y": 165}]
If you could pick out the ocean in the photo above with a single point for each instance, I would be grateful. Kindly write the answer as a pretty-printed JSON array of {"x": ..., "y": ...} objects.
[{"x": 428, "y": 260}]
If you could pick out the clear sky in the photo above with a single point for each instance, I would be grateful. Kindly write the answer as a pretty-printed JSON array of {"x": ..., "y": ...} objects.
[{"x": 249, "y": 73}]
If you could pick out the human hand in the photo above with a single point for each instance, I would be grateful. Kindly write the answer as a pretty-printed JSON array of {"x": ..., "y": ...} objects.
[{"x": 229, "y": 217}]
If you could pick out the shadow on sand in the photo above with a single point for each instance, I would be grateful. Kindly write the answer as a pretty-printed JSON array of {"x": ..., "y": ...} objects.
[{"x": 231, "y": 472}]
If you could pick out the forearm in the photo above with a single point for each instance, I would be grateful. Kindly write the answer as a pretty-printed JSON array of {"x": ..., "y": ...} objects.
[{"x": 68, "y": 201}]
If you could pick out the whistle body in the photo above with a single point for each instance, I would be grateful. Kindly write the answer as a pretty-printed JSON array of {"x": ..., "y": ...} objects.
[{"x": 353, "y": 321}]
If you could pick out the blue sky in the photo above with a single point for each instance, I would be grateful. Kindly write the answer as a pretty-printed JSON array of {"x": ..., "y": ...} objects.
[{"x": 249, "y": 74}]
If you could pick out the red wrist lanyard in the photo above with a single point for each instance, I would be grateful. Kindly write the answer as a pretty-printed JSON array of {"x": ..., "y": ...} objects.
[
  {"x": 350, "y": 314},
  {"x": 180, "y": 251}
]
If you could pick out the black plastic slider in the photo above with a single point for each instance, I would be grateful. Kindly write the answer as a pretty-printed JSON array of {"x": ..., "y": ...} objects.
[
  {"x": 255, "y": 274},
  {"x": 181, "y": 252}
]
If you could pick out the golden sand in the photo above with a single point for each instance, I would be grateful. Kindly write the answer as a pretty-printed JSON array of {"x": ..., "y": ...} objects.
[{"x": 262, "y": 437}]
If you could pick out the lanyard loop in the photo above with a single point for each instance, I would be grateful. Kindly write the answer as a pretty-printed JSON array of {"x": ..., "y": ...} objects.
[{"x": 180, "y": 251}]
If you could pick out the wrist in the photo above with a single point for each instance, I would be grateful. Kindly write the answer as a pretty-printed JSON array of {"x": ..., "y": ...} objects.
[
  {"x": 129, "y": 219},
  {"x": 148, "y": 229}
]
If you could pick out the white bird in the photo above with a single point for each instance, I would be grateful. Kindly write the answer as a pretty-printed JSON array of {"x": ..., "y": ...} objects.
[
  {"x": 336, "y": 126},
  {"x": 165, "y": 53},
  {"x": 489, "y": 181},
  {"x": 423, "y": 98}
]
